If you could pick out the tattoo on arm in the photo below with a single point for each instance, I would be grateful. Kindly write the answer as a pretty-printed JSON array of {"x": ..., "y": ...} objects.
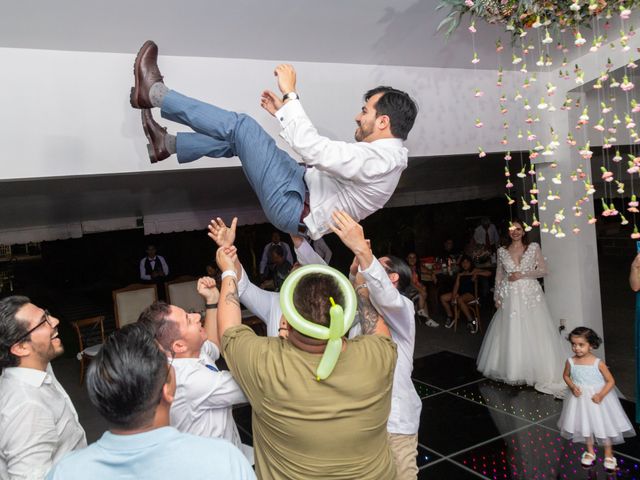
[
  {"x": 368, "y": 315},
  {"x": 232, "y": 294}
]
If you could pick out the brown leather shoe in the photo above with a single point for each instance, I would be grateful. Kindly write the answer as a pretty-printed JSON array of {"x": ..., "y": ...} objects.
[
  {"x": 155, "y": 135},
  {"x": 146, "y": 73}
]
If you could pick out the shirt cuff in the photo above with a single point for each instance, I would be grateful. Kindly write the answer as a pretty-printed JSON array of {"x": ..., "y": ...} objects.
[{"x": 289, "y": 111}]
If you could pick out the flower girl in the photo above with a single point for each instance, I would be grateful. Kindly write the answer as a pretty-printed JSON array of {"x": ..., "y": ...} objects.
[{"x": 592, "y": 413}]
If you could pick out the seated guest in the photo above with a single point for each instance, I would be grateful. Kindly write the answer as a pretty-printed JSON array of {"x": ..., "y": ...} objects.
[
  {"x": 463, "y": 292},
  {"x": 449, "y": 251},
  {"x": 305, "y": 428},
  {"x": 423, "y": 310},
  {"x": 280, "y": 268},
  {"x": 266, "y": 265},
  {"x": 204, "y": 395},
  {"x": 132, "y": 386},
  {"x": 38, "y": 423}
]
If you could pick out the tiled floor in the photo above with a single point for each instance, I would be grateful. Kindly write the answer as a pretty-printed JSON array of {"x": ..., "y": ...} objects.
[{"x": 472, "y": 427}]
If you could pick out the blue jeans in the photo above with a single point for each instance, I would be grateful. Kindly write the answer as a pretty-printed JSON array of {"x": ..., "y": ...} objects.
[{"x": 275, "y": 177}]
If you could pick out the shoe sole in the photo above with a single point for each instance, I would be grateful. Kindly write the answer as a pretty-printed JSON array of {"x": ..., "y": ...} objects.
[
  {"x": 150, "y": 150},
  {"x": 133, "y": 98}
]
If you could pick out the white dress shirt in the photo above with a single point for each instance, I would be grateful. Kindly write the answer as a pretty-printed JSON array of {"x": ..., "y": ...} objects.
[
  {"x": 204, "y": 398},
  {"x": 480, "y": 235},
  {"x": 357, "y": 177},
  {"x": 38, "y": 423},
  {"x": 143, "y": 271},
  {"x": 307, "y": 255},
  {"x": 264, "y": 260},
  {"x": 398, "y": 312},
  {"x": 322, "y": 249},
  {"x": 263, "y": 304}
]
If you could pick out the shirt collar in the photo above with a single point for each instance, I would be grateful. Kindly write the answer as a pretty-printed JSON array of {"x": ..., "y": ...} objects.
[
  {"x": 388, "y": 142},
  {"x": 30, "y": 376},
  {"x": 136, "y": 441}
]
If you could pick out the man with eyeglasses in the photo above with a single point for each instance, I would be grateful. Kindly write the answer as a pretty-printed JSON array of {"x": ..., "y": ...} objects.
[
  {"x": 204, "y": 395},
  {"x": 38, "y": 423}
]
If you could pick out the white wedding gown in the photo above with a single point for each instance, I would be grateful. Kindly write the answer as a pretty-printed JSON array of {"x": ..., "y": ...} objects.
[{"x": 522, "y": 344}]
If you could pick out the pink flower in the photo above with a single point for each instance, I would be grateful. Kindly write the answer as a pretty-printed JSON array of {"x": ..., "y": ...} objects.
[{"x": 468, "y": 3}]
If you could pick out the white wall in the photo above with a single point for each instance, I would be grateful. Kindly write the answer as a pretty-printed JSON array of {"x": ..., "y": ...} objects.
[{"x": 68, "y": 113}]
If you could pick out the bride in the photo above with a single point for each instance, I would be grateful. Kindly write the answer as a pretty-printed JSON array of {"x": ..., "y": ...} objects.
[{"x": 522, "y": 344}]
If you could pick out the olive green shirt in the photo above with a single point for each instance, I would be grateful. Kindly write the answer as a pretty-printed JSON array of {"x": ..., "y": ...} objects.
[{"x": 307, "y": 429}]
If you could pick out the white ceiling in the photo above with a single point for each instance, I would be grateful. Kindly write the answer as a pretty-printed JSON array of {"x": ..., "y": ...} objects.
[{"x": 377, "y": 32}]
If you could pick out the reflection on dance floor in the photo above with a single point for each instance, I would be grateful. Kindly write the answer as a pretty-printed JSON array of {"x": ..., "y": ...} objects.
[{"x": 472, "y": 428}]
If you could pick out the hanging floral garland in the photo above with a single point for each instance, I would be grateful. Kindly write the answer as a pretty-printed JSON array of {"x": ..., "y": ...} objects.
[
  {"x": 564, "y": 19},
  {"x": 519, "y": 15}
]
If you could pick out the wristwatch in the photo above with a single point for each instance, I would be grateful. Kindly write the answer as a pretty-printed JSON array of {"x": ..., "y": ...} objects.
[{"x": 290, "y": 96}]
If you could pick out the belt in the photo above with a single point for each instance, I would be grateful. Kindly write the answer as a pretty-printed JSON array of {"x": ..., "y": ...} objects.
[{"x": 302, "y": 228}]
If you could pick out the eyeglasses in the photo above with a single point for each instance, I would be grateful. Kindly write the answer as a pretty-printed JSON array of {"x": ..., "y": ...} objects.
[{"x": 44, "y": 320}]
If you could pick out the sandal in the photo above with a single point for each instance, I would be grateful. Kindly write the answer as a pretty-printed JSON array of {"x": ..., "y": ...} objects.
[
  {"x": 587, "y": 459},
  {"x": 610, "y": 463}
]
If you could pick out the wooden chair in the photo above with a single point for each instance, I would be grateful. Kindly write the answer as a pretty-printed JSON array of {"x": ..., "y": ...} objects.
[
  {"x": 129, "y": 302},
  {"x": 474, "y": 305},
  {"x": 90, "y": 339},
  {"x": 183, "y": 292}
]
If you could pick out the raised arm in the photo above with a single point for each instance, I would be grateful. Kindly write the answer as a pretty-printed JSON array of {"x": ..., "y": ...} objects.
[
  {"x": 229, "y": 304},
  {"x": 371, "y": 322},
  {"x": 208, "y": 290},
  {"x": 305, "y": 253},
  {"x": 387, "y": 300}
]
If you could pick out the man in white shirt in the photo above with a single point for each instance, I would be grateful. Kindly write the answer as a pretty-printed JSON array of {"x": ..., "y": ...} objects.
[
  {"x": 487, "y": 234},
  {"x": 385, "y": 279},
  {"x": 265, "y": 260},
  {"x": 204, "y": 395},
  {"x": 356, "y": 177},
  {"x": 38, "y": 423}
]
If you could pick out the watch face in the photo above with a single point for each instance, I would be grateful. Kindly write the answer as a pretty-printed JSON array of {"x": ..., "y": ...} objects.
[{"x": 291, "y": 96}]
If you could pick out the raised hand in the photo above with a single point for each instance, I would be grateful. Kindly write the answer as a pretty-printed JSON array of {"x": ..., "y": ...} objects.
[
  {"x": 349, "y": 231},
  {"x": 286, "y": 77},
  {"x": 221, "y": 234},
  {"x": 270, "y": 102},
  {"x": 226, "y": 258},
  {"x": 208, "y": 289}
]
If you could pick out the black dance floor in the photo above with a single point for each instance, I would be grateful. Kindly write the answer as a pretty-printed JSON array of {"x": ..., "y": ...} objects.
[{"x": 472, "y": 427}]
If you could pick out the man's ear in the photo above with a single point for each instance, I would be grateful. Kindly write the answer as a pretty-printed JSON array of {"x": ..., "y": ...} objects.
[
  {"x": 169, "y": 389},
  {"x": 394, "y": 277},
  {"x": 178, "y": 346},
  {"x": 20, "y": 349},
  {"x": 383, "y": 122}
]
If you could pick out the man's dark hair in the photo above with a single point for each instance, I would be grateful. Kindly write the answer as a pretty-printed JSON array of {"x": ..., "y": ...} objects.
[
  {"x": 278, "y": 250},
  {"x": 399, "y": 266},
  {"x": 125, "y": 380},
  {"x": 11, "y": 329},
  {"x": 156, "y": 318},
  {"x": 311, "y": 297},
  {"x": 398, "y": 106}
]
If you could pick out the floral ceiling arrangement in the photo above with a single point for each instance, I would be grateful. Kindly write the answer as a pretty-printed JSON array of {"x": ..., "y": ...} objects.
[{"x": 535, "y": 28}]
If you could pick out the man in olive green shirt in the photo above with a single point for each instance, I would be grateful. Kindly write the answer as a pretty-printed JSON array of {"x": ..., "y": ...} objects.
[{"x": 304, "y": 428}]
